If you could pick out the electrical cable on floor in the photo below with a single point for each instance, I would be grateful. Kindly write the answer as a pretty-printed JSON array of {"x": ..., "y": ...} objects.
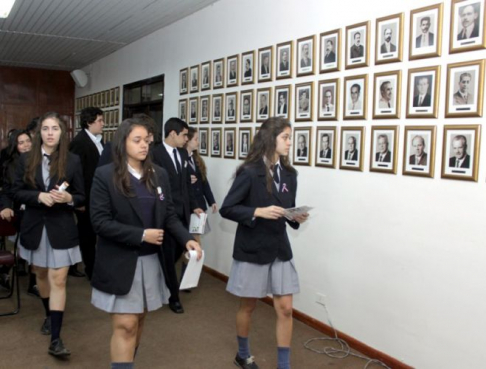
[{"x": 339, "y": 353}]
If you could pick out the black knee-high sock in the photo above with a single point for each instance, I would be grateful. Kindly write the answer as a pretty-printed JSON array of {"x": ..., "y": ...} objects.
[
  {"x": 56, "y": 324},
  {"x": 45, "y": 302}
]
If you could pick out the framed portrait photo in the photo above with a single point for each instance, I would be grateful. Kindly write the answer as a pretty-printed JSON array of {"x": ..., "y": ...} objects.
[
  {"x": 355, "y": 97},
  {"x": 245, "y": 138},
  {"x": 423, "y": 92},
  {"x": 248, "y": 68},
  {"x": 217, "y": 108},
  {"x": 204, "y": 109},
  {"x": 194, "y": 78},
  {"x": 465, "y": 84},
  {"x": 230, "y": 143},
  {"x": 246, "y": 103},
  {"x": 328, "y": 103},
  {"x": 206, "y": 76},
  {"x": 304, "y": 97},
  {"x": 218, "y": 73},
  {"x": 193, "y": 110},
  {"x": 352, "y": 148},
  {"x": 460, "y": 153},
  {"x": 426, "y": 32},
  {"x": 384, "y": 149},
  {"x": 467, "y": 26},
  {"x": 389, "y": 39},
  {"x": 183, "y": 109},
  {"x": 264, "y": 104},
  {"x": 326, "y": 147},
  {"x": 302, "y": 147},
  {"x": 305, "y": 56},
  {"x": 203, "y": 141},
  {"x": 419, "y": 151},
  {"x": 231, "y": 103},
  {"x": 283, "y": 101},
  {"x": 358, "y": 45},
  {"x": 265, "y": 61},
  {"x": 216, "y": 142},
  {"x": 232, "y": 65},
  {"x": 329, "y": 60},
  {"x": 387, "y": 95},
  {"x": 285, "y": 56}
]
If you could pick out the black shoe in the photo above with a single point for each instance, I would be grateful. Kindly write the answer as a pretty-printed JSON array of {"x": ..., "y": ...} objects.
[
  {"x": 248, "y": 363},
  {"x": 33, "y": 291},
  {"x": 176, "y": 307},
  {"x": 56, "y": 348},
  {"x": 187, "y": 291},
  {"x": 73, "y": 272},
  {"x": 46, "y": 326}
]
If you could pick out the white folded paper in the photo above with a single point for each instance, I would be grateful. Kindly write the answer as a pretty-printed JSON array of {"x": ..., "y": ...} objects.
[
  {"x": 198, "y": 223},
  {"x": 291, "y": 213},
  {"x": 193, "y": 270}
]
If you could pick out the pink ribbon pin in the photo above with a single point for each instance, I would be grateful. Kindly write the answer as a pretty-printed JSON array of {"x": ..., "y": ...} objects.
[
  {"x": 161, "y": 195},
  {"x": 284, "y": 187}
]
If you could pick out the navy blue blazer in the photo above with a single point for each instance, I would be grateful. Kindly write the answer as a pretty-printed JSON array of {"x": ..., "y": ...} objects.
[
  {"x": 59, "y": 218},
  {"x": 260, "y": 240},
  {"x": 117, "y": 220},
  {"x": 201, "y": 189}
]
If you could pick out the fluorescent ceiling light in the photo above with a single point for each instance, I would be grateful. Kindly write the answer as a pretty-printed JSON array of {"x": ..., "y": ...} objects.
[{"x": 5, "y": 7}]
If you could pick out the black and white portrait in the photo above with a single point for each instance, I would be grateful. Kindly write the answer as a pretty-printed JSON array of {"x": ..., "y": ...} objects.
[
  {"x": 263, "y": 109},
  {"x": 422, "y": 92},
  {"x": 183, "y": 81},
  {"x": 467, "y": 25},
  {"x": 245, "y": 142},
  {"x": 229, "y": 143},
  {"x": 193, "y": 110},
  {"x": 387, "y": 95},
  {"x": 328, "y": 99},
  {"x": 204, "y": 109},
  {"x": 465, "y": 89},
  {"x": 389, "y": 36},
  {"x": 352, "y": 142},
  {"x": 460, "y": 152},
  {"x": 301, "y": 147},
  {"x": 325, "y": 147},
  {"x": 282, "y": 101},
  {"x": 265, "y": 60},
  {"x": 330, "y": 51},
  {"x": 206, "y": 76},
  {"x": 303, "y": 101},
  {"x": 194, "y": 75},
  {"x": 355, "y": 97},
  {"x": 419, "y": 155},
  {"x": 231, "y": 107},
  {"x": 216, "y": 142},
  {"x": 247, "y": 67},
  {"x": 183, "y": 110},
  {"x": 425, "y": 32},
  {"x": 246, "y": 104},
  {"x": 232, "y": 68},
  {"x": 217, "y": 109},
  {"x": 203, "y": 141},
  {"x": 383, "y": 149},
  {"x": 357, "y": 45},
  {"x": 284, "y": 60},
  {"x": 218, "y": 73},
  {"x": 305, "y": 56}
]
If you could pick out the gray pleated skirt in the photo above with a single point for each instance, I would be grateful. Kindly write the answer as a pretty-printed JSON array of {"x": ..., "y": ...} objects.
[
  {"x": 148, "y": 292},
  {"x": 47, "y": 257},
  {"x": 255, "y": 280}
]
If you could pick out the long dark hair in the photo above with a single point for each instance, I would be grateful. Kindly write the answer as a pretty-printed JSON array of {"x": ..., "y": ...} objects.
[
  {"x": 264, "y": 146},
  {"x": 121, "y": 176},
  {"x": 13, "y": 154},
  {"x": 58, "y": 156},
  {"x": 195, "y": 154}
]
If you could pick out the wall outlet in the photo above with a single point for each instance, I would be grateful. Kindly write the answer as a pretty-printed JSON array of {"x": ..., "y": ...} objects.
[{"x": 320, "y": 298}]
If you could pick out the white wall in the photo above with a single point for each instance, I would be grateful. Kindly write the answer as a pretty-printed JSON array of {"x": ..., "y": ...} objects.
[{"x": 400, "y": 259}]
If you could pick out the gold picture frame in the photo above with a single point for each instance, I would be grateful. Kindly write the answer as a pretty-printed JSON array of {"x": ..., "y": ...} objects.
[
  {"x": 355, "y": 87},
  {"x": 304, "y": 102},
  {"x": 352, "y": 157},
  {"x": 328, "y": 100},
  {"x": 387, "y": 95},
  {"x": 384, "y": 149},
  {"x": 330, "y": 56},
  {"x": 357, "y": 54},
  {"x": 283, "y": 101},
  {"x": 462, "y": 36},
  {"x": 230, "y": 144},
  {"x": 285, "y": 57},
  {"x": 193, "y": 110},
  {"x": 426, "y": 32},
  {"x": 467, "y": 101},
  {"x": 231, "y": 111},
  {"x": 206, "y": 76},
  {"x": 203, "y": 141},
  {"x": 246, "y": 106},
  {"x": 263, "y": 109},
  {"x": 217, "y": 108},
  {"x": 325, "y": 152},
  {"x": 265, "y": 64},
  {"x": 248, "y": 66},
  {"x": 218, "y": 73},
  {"x": 233, "y": 68},
  {"x": 419, "y": 151},
  {"x": 423, "y": 89},
  {"x": 216, "y": 143},
  {"x": 460, "y": 152},
  {"x": 303, "y": 146},
  {"x": 306, "y": 56},
  {"x": 391, "y": 50},
  {"x": 245, "y": 139}
]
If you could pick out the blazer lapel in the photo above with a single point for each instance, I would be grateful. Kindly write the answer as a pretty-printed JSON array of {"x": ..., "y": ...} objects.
[
  {"x": 262, "y": 173},
  {"x": 38, "y": 178},
  {"x": 170, "y": 164},
  {"x": 158, "y": 202},
  {"x": 136, "y": 207}
]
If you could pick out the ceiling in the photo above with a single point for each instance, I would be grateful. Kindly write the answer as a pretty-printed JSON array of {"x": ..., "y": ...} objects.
[{"x": 70, "y": 34}]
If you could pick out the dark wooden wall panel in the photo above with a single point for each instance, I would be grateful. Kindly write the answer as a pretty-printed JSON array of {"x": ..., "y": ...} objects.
[{"x": 26, "y": 93}]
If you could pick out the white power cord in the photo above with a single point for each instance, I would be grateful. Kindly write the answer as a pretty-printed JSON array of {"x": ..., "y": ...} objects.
[{"x": 339, "y": 353}]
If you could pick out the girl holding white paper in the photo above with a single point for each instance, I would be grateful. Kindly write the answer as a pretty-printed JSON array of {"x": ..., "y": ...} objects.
[{"x": 264, "y": 186}]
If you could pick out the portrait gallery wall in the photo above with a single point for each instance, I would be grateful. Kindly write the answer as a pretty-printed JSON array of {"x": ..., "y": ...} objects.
[{"x": 247, "y": 97}]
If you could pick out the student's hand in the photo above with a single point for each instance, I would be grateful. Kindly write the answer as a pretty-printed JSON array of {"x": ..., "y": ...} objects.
[
  {"x": 81, "y": 209},
  {"x": 198, "y": 211},
  {"x": 270, "y": 212},
  {"x": 61, "y": 196},
  {"x": 46, "y": 199},
  {"x": 301, "y": 218},
  {"x": 193, "y": 179},
  {"x": 215, "y": 208},
  {"x": 154, "y": 236},
  {"x": 193, "y": 245},
  {"x": 7, "y": 214}
]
